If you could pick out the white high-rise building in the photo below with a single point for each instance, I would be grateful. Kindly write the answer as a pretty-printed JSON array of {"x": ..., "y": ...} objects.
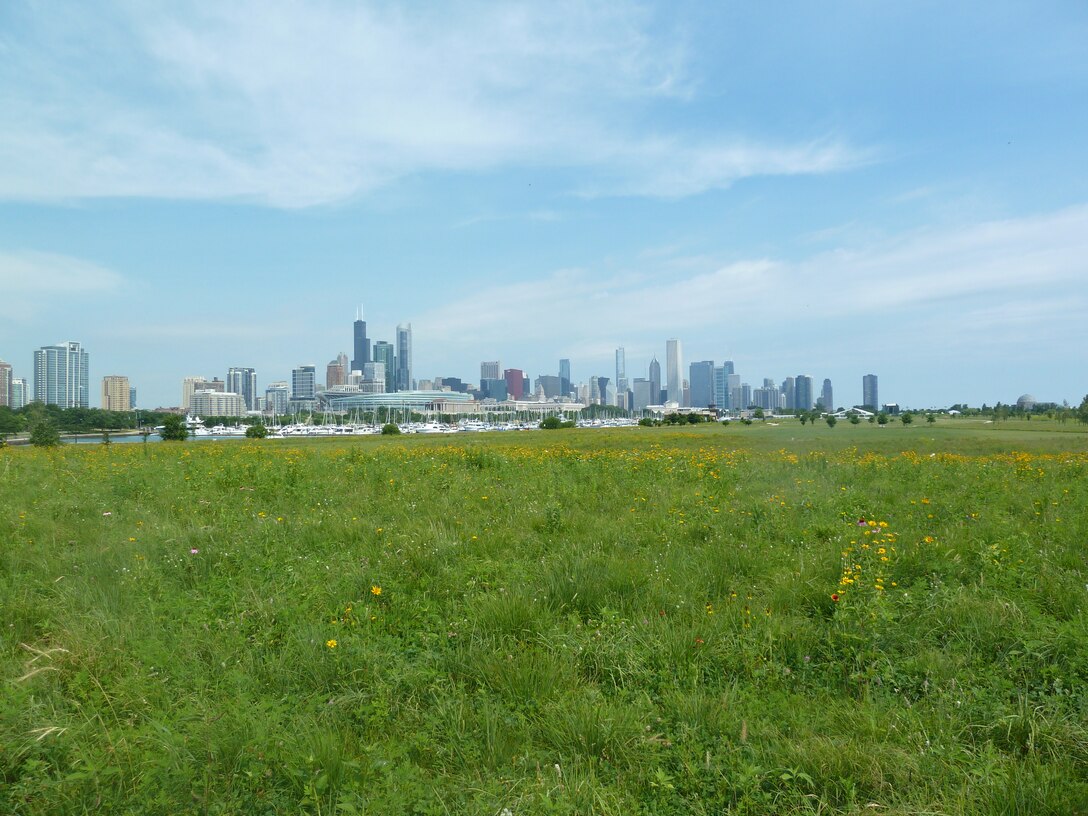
[
  {"x": 674, "y": 362},
  {"x": 243, "y": 381},
  {"x": 60, "y": 375},
  {"x": 5, "y": 383},
  {"x": 20, "y": 392},
  {"x": 217, "y": 403}
]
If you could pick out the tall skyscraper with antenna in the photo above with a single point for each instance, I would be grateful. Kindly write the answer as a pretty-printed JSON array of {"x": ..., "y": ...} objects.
[{"x": 361, "y": 344}]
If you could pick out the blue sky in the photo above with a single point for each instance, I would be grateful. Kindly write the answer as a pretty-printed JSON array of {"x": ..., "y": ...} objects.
[{"x": 831, "y": 189}]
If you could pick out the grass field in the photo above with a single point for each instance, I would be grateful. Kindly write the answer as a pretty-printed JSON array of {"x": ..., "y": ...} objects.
[{"x": 764, "y": 619}]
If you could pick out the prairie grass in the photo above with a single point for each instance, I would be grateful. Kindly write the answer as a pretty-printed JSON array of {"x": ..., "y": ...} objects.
[{"x": 763, "y": 619}]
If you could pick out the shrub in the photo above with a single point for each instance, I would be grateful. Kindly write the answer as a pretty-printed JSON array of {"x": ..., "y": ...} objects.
[
  {"x": 173, "y": 429},
  {"x": 44, "y": 435},
  {"x": 256, "y": 432},
  {"x": 390, "y": 429}
]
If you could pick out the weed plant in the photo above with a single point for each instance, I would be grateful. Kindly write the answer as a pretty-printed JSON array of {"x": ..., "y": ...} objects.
[{"x": 770, "y": 619}]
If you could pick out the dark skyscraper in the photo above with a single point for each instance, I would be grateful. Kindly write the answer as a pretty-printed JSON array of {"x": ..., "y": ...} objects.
[
  {"x": 701, "y": 383},
  {"x": 655, "y": 382},
  {"x": 869, "y": 395},
  {"x": 361, "y": 345},
  {"x": 404, "y": 358},
  {"x": 827, "y": 397},
  {"x": 564, "y": 377},
  {"x": 385, "y": 353},
  {"x": 802, "y": 390}
]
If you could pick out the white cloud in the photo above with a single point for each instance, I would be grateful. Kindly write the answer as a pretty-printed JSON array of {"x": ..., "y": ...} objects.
[
  {"x": 929, "y": 288},
  {"x": 297, "y": 104},
  {"x": 29, "y": 274}
]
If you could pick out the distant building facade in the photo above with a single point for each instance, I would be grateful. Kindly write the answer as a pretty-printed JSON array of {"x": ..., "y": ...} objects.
[
  {"x": 869, "y": 395},
  {"x": 304, "y": 382},
  {"x": 385, "y": 353},
  {"x": 404, "y": 380},
  {"x": 277, "y": 396},
  {"x": 20, "y": 392},
  {"x": 243, "y": 381},
  {"x": 209, "y": 403},
  {"x": 116, "y": 393},
  {"x": 701, "y": 383},
  {"x": 827, "y": 397},
  {"x": 515, "y": 383},
  {"x": 5, "y": 384},
  {"x": 61, "y": 375},
  {"x": 674, "y": 361}
]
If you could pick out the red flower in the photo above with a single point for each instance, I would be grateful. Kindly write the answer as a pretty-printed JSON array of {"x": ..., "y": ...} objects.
[
  {"x": 835, "y": 597},
  {"x": 698, "y": 641}
]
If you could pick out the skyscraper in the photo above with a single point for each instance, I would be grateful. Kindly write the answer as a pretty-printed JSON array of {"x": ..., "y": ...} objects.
[
  {"x": 789, "y": 391},
  {"x": 515, "y": 383},
  {"x": 60, "y": 375},
  {"x": 304, "y": 382},
  {"x": 5, "y": 384},
  {"x": 490, "y": 370},
  {"x": 334, "y": 374},
  {"x": 276, "y": 397},
  {"x": 243, "y": 381},
  {"x": 384, "y": 353},
  {"x": 802, "y": 386},
  {"x": 701, "y": 383},
  {"x": 827, "y": 398},
  {"x": 20, "y": 392},
  {"x": 564, "y": 377},
  {"x": 621, "y": 370},
  {"x": 403, "y": 379},
  {"x": 116, "y": 394},
  {"x": 361, "y": 344},
  {"x": 674, "y": 362},
  {"x": 655, "y": 382},
  {"x": 869, "y": 397}
]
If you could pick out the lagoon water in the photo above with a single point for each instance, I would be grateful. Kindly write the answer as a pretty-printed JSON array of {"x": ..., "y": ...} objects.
[{"x": 119, "y": 440}]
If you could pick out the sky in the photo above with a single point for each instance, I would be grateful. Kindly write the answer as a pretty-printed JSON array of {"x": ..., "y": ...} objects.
[{"x": 830, "y": 189}]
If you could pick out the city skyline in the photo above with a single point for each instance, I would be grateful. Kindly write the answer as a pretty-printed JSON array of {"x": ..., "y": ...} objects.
[
  {"x": 698, "y": 384},
  {"x": 897, "y": 190}
]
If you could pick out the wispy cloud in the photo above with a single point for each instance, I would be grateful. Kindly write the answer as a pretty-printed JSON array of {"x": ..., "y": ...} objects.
[
  {"x": 933, "y": 287},
  {"x": 296, "y": 104},
  {"x": 28, "y": 274}
]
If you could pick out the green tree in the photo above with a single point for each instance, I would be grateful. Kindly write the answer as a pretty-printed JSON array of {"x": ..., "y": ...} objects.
[
  {"x": 907, "y": 418},
  {"x": 257, "y": 431},
  {"x": 390, "y": 429},
  {"x": 1082, "y": 412},
  {"x": 830, "y": 420},
  {"x": 931, "y": 418},
  {"x": 854, "y": 419},
  {"x": 804, "y": 418},
  {"x": 758, "y": 413},
  {"x": 882, "y": 419},
  {"x": 173, "y": 429},
  {"x": 44, "y": 434}
]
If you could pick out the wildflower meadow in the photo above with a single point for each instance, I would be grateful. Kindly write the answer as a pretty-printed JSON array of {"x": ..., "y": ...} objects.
[{"x": 705, "y": 620}]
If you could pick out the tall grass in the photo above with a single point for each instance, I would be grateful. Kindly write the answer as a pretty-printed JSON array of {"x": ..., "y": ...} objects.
[{"x": 747, "y": 620}]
